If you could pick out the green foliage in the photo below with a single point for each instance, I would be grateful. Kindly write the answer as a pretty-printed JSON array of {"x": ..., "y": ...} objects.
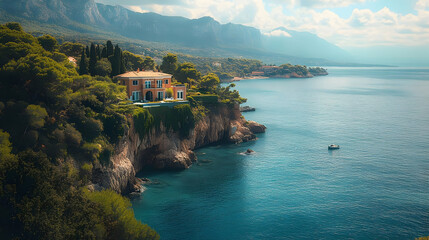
[
  {"x": 209, "y": 83},
  {"x": 120, "y": 215},
  {"x": 149, "y": 63},
  {"x": 317, "y": 71},
  {"x": 169, "y": 63},
  {"x": 48, "y": 42},
  {"x": 225, "y": 68},
  {"x": 83, "y": 64},
  {"x": 36, "y": 116},
  {"x": 117, "y": 62},
  {"x": 92, "y": 60},
  {"x": 132, "y": 61},
  {"x": 103, "y": 68},
  {"x": 5, "y": 147},
  {"x": 186, "y": 73},
  {"x": 178, "y": 118},
  {"x": 71, "y": 49},
  {"x": 143, "y": 121},
  {"x": 52, "y": 115},
  {"x": 169, "y": 93},
  {"x": 109, "y": 48},
  {"x": 14, "y": 26},
  {"x": 230, "y": 97},
  {"x": 205, "y": 98}
]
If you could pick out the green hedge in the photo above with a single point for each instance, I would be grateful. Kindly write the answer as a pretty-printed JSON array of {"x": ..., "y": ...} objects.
[
  {"x": 178, "y": 118},
  {"x": 205, "y": 98}
]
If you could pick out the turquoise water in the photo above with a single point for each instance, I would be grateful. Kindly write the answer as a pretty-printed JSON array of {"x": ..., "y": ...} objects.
[{"x": 375, "y": 187}]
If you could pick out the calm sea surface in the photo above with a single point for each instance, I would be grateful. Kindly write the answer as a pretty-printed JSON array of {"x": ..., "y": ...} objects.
[{"x": 375, "y": 187}]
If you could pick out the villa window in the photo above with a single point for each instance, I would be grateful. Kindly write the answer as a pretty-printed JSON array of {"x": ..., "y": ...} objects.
[
  {"x": 147, "y": 84},
  {"x": 166, "y": 81},
  {"x": 135, "y": 82},
  {"x": 160, "y": 96},
  {"x": 159, "y": 83},
  {"x": 180, "y": 95},
  {"x": 136, "y": 96}
]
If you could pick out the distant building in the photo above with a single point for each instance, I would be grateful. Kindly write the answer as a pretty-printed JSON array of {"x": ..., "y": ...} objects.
[
  {"x": 73, "y": 61},
  {"x": 150, "y": 86}
]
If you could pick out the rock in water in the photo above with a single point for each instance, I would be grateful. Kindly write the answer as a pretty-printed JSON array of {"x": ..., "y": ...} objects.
[
  {"x": 256, "y": 127},
  {"x": 249, "y": 151}
]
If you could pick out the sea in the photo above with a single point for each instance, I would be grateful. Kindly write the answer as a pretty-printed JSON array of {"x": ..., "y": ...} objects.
[{"x": 376, "y": 186}]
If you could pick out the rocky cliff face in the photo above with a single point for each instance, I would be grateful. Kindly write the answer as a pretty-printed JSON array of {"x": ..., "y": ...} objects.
[{"x": 167, "y": 150}]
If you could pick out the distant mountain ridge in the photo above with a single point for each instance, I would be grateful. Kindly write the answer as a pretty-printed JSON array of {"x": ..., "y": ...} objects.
[{"x": 204, "y": 32}]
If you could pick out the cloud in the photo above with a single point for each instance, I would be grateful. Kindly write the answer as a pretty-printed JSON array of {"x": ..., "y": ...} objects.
[
  {"x": 278, "y": 33},
  {"x": 329, "y": 3},
  {"x": 362, "y": 28}
]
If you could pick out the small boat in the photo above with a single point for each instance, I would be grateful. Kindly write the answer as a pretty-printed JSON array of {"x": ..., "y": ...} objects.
[{"x": 334, "y": 146}]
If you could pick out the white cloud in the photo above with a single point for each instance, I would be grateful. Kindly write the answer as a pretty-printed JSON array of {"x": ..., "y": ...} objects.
[
  {"x": 362, "y": 28},
  {"x": 278, "y": 33}
]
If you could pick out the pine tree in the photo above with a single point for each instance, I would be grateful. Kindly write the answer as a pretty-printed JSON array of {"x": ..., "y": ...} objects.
[
  {"x": 92, "y": 59},
  {"x": 109, "y": 49},
  {"x": 82, "y": 66}
]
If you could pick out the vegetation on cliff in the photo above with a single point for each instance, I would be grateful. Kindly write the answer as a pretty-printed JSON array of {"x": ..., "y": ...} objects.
[{"x": 55, "y": 127}]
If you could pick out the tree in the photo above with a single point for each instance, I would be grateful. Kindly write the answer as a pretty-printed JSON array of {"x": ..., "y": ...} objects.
[
  {"x": 14, "y": 26},
  {"x": 71, "y": 49},
  {"x": 104, "y": 52},
  {"x": 117, "y": 62},
  {"x": 169, "y": 63},
  {"x": 36, "y": 116},
  {"x": 186, "y": 73},
  {"x": 92, "y": 60},
  {"x": 149, "y": 64},
  {"x": 83, "y": 65},
  {"x": 87, "y": 51},
  {"x": 103, "y": 67},
  {"x": 169, "y": 93},
  {"x": 132, "y": 61},
  {"x": 209, "y": 83},
  {"x": 48, "y": 42},
  {"x": 109, "y": 48}
]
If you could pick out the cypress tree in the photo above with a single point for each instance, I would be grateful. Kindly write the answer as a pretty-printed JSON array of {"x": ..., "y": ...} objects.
[
  {"x": 92, "y": 60},
  {"x": 115, "y": 60},
  {"x": 87, "y": 51},
  {"x": 104, "y": 52},
  {"x": 97, "y": 51},
  {"x": 109, "y": 50},
  {"x": 82, "y": 66},
  {"x": 122, "y": 65}
]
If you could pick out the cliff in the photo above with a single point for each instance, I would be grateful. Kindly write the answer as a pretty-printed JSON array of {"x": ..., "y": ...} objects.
[{"x": 163, "y": 149}]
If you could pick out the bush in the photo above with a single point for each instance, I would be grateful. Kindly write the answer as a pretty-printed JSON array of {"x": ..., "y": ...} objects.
[
  {"x": 143, "y": 121},
  {"x": 120, "y": 215},
  {"x": 206, "y": 98}
]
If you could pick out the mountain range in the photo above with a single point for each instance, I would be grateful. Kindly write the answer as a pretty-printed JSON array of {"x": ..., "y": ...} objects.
[{"x": 237, "y": 40}]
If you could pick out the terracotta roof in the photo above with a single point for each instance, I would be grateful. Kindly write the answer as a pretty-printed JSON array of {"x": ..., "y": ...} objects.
[{"x": 145, "y": 74}]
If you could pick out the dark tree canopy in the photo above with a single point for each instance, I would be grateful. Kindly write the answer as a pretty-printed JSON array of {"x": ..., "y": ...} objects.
[
  {"x": 169, "y": 63},
  {"x": 48, "y": 42}
]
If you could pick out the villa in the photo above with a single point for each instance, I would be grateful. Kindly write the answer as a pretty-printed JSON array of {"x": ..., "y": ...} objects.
[{"x": 148, "y": 86}]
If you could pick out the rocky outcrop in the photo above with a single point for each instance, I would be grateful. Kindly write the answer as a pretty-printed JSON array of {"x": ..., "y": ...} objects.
[{"x": 162, "y": 149}]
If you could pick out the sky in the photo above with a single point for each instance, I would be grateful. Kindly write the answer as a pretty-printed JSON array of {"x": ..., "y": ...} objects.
[{"x": 401, "y": 25}]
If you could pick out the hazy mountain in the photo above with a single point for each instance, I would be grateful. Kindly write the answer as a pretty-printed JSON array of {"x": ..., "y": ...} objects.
[
  {"x": 196, "y": 33},
  {"x": 303, "y": 44}
]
